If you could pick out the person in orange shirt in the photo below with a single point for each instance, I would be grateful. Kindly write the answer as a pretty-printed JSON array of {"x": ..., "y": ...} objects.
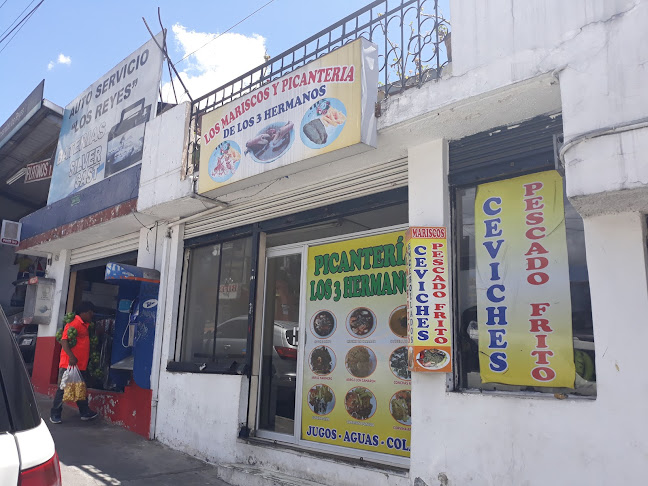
[{"x": 77, "y": 356}]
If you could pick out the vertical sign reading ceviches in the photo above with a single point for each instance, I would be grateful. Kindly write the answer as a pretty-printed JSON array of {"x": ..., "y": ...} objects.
[
  {"x": 428, "y": 300},
  {"x": 523, "y": 293}
]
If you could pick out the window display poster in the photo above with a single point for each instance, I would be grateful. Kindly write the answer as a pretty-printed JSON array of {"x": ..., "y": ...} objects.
[
  {"x": 522, "y": 274},
  {"x": 428, "y": 300},
  {"x": 102, "y": 131},
  {"x": 356, "y": 386}
]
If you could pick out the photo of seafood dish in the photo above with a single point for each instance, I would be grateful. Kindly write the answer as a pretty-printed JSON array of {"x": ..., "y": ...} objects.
[
  {"x": 323, "y": 123},
  {"x": 398, "y": 364},
  {"x": 361, "y": 361},
  {"x": 432, "y": 359},
  {"x": 321, "y": 399},
  {"x": 322, "y": 360},
  {"x": 360, "y": 403},
  {"x": 398, "y": 321},
  {"x": 400, "y": 407},
  {"x": 271, "y": 142},
  {"x": 323, "y": 324},
  {"x": 224, "y": 161},
  {"x": 361, "y": 322}
]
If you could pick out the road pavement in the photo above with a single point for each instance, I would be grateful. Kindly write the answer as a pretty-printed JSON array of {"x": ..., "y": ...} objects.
[{"x": 97, "y": 453}]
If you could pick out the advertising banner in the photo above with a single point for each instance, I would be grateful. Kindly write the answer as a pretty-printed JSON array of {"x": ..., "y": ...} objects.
[
  {"x": 356, "y": 387},
  {"x": 522, "y": 272},
  {"x": 327, "y": 105},
  {"x": 428, "y": 300},
  {"x": 103, "y": 128}
]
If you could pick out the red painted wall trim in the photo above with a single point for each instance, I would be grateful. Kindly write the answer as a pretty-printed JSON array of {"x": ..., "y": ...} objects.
[{"x": 117, "y": 211}]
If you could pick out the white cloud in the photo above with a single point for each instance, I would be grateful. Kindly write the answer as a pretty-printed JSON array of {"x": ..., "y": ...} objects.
[
  {"x": 61, "y": 59},
  {"x": 220, "y": 61}
]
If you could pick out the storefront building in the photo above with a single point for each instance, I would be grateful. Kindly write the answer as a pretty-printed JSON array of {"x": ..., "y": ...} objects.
[{"x": 283, "y": 320}]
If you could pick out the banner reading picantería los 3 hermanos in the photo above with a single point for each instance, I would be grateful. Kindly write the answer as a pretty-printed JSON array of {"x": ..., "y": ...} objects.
[
  {"x": 356, "y": 387},
  {"x": 522, "y": 273},
  {"x": 327, "y": 105},
  {"x": 102, "y": 131}
]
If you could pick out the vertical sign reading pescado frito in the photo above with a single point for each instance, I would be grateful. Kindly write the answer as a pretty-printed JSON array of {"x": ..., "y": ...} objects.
[
  {"x": 326, "y": 105},
  {"x": 523, "y": 291},
  {"x": 428, "y": 300},
  {"x": 103, "y": 128}
]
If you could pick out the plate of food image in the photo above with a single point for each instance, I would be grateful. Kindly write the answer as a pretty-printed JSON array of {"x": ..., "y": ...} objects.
[
  {"x": 323, "y": 123},
  {"x": 361, "y": 361},
  {"x": 321, "y": 399},
  {"x": 271, "y": 142},
  {"x": 360, "y": 403},
  {"x": 432, "y": 359},
  {"x": 224, "y": 161},
  {"x": 323, "y": 324},
  {"x": 322, "y": 360},
  {"x": 400, "y": 407},
  {"x": 398, "y": 321},
  {"x": 361, "y": 322}
]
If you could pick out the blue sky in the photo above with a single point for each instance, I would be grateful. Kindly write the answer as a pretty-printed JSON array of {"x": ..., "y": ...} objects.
[{"x": 71, "y": 43}]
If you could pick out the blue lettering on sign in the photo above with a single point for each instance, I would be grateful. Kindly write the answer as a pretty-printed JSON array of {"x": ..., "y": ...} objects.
[{"x": 496, "y": 293}]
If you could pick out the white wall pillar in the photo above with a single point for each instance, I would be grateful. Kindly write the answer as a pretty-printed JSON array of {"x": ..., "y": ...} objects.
[
  {"x": 616, "y": 262},
  {"x": 428, "y": 206},
  {"x": 59, "y": 270}
]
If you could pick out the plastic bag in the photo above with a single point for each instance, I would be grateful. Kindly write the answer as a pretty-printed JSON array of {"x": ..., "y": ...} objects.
[{"x": 75, "y": 387}]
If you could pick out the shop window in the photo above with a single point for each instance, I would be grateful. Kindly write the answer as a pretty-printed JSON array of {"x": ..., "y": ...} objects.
[
  {"x": 503, "y": 343},
  {"x": 215, "y": 324}
]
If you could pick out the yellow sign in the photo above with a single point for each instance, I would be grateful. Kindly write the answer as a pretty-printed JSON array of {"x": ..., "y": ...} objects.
[
  {"x": 522, "y": 273},
  {"x": 428, "y": 300},
  {"x": 357, "y": 389},
  {"x": 324, "y": 106}
]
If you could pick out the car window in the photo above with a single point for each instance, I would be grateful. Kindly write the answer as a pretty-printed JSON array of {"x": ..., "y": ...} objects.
[{"x": 18, "y": 406}]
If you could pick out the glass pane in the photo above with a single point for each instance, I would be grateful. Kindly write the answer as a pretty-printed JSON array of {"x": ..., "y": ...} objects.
[
  {"x": 467, "y": 297},
  {"x": 280, "y": 342},
  {"x": 200, "y": 306},
  {"x": 233, "y": 299}
]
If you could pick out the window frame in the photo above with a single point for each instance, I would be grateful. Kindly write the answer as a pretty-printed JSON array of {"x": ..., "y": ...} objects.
[
  {"x": 454, "y": 380},
  {"x": 227, "y": 366}
]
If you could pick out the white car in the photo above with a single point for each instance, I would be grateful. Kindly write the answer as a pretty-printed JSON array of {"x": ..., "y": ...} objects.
[{"x": 27, "y": 453}]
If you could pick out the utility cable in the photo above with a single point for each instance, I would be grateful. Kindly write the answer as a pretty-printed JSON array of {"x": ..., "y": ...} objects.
[
  {"x": 12, "y": 37},
  {"x": 3, "y": 4},
  {"x": 225, "y": 32},
  {"x": 23, "y": 21},
  {"x": 19, "y": 15}
]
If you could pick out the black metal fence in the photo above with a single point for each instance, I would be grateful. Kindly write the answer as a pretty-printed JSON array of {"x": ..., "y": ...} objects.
[{"x": 412, "y": 36}]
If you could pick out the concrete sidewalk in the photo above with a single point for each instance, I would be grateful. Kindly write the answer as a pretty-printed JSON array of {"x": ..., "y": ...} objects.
[{"x": 97, "y": 453}]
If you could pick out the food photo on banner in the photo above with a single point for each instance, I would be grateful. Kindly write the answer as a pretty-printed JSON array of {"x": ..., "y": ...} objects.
[
  {"x": 324, "y": 106},
  {"x": 356, "y": 385},
  {"x": 102, "y": 131},
  {"x": 523, "y": 291}
]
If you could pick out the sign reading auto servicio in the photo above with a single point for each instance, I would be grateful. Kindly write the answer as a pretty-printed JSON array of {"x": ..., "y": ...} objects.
[
  {"x": 428, "y": 300},
  {"x": 324, "y": 106},
  {"x": 103, "y": 128}
]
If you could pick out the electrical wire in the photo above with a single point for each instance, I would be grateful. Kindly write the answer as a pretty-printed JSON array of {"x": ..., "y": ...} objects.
[
  {"x": 12, "y": 37},
  {"x": 225, "y": 32},
  {"x": 23, "y": 21},
  {"x": 19, "y": 15},
  {"x": 3, "y": 4}
]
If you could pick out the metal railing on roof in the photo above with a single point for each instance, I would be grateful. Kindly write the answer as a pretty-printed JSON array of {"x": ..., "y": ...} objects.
[{"x": 412, "y": 38}]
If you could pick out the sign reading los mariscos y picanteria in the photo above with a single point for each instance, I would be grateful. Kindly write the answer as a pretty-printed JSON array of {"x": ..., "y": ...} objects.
[
  {"x": 356, "y": 384},
  {"x": 428, "y": 300},
  {"x": 523, "y": 293},
  {"x": 328, "y": 104},
  {"x": 103, "y": 128}
]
